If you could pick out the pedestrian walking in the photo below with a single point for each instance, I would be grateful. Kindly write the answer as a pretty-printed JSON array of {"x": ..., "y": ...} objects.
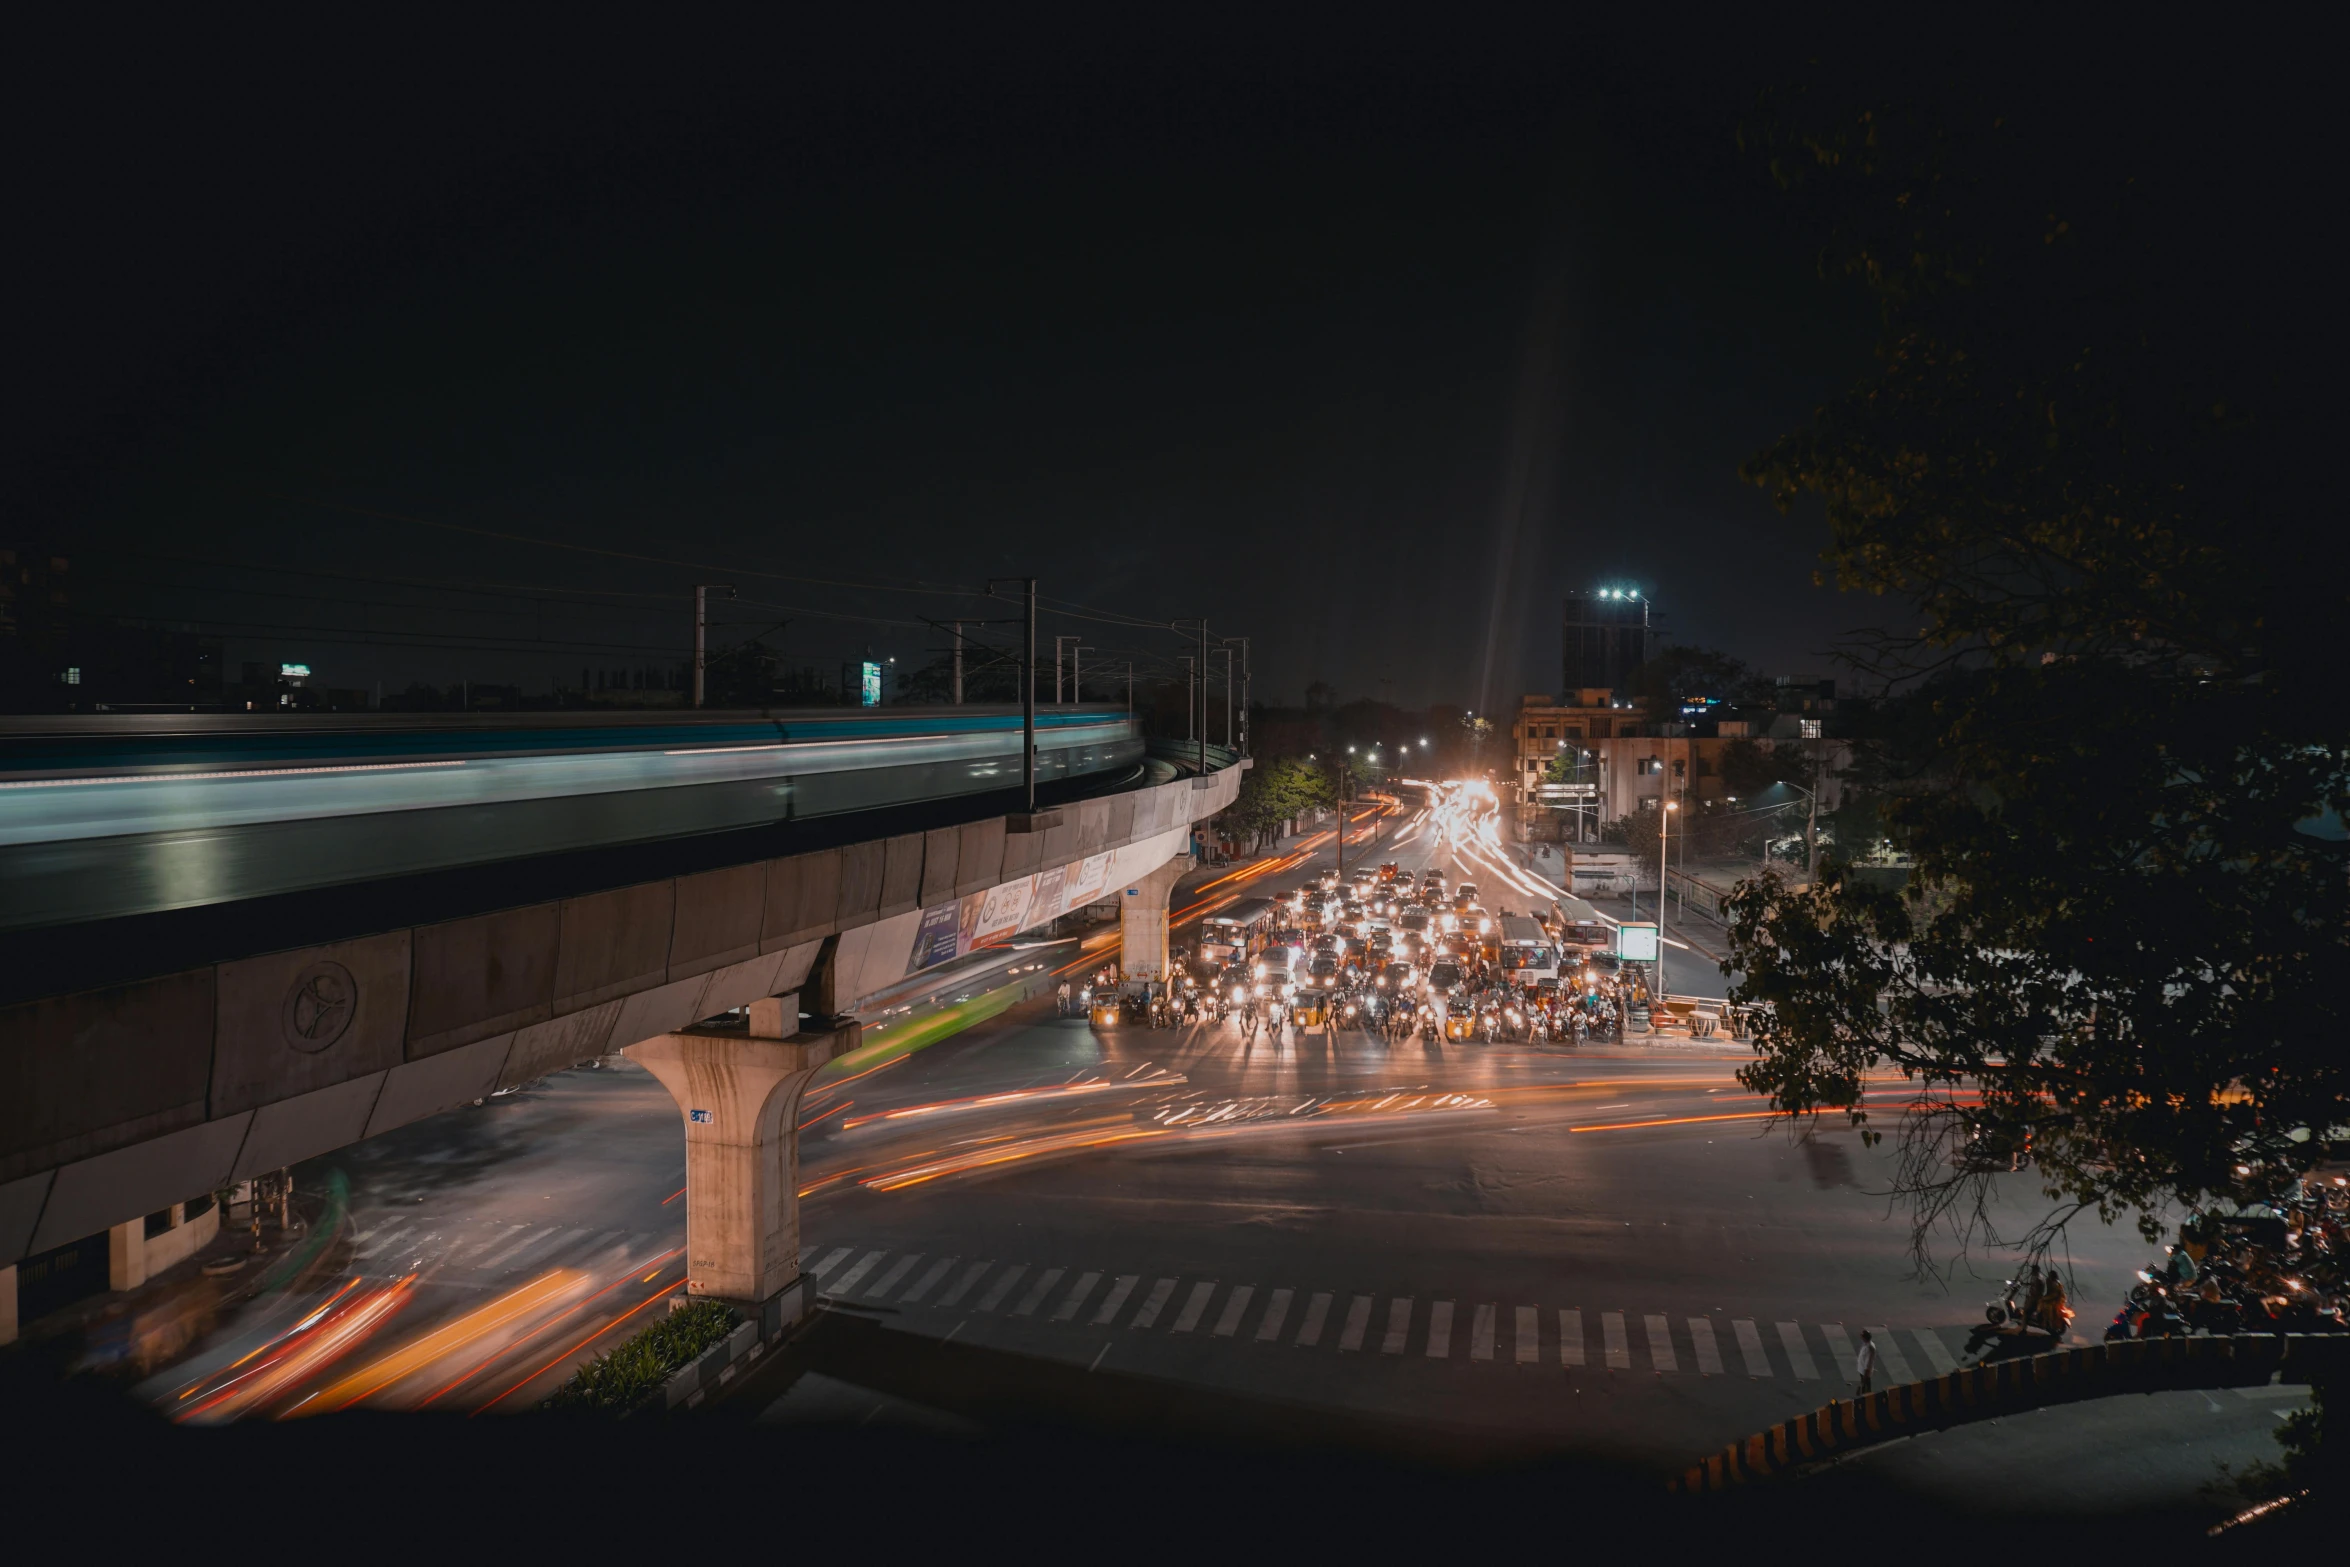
[{"x": 1866, "y": 1362}]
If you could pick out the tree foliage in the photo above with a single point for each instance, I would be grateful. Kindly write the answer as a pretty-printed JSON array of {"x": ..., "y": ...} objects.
[
  {"x": 2117, "y": 750},
  {"x": 1278, "y": 788}
]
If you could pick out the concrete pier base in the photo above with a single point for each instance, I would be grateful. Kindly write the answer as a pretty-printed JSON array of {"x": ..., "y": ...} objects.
[
  {"x": 1142, "y": 912},
  {"x": 738, "y": 1093}
]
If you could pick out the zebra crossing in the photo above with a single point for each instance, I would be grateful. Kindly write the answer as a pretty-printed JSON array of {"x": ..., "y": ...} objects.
[
  {"x": 479, "y": 1247},
  {"x": 1374, "y": 1327}
]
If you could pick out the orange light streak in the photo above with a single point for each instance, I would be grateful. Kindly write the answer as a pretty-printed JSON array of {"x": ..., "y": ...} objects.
[
  {"x": 411, "y": 1358},
  {"x": 1679, "y": 1120},
  {"x": 557, "y": 1358},
  {"x": 549, "y": 1326}
]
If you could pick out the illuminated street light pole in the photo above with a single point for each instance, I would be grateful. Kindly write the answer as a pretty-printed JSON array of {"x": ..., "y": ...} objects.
[
  {"x": 702, "y": 594},
  {"x": 1664, "y": 833},
  {"x": 1027, "y": 689},
  {"x": 1811, "y": 815}
]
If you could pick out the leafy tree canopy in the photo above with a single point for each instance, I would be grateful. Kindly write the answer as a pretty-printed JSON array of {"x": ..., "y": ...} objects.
[{"x": 2118, "y": 747}]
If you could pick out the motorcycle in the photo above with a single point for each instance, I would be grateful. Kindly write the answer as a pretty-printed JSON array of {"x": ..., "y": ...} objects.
[
  {"x": 2148, "y": 1313},
  {"x": 2029, "y": 1305}
]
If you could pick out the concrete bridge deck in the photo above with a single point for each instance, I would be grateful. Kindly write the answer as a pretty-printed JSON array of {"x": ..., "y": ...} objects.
[{"x": 165, "y": 1079}]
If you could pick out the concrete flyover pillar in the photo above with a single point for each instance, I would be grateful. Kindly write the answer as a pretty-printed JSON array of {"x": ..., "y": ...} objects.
[
  {"x": 738, "y": 1090},
  {"x": 1142, "y": 910},
  {"x": 126, "y": 1254}
]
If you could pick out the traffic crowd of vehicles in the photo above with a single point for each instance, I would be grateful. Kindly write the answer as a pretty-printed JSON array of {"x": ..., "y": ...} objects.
[
  {"x": 1385, "y": 953},
  {"x": 2264, "y": 1269}
]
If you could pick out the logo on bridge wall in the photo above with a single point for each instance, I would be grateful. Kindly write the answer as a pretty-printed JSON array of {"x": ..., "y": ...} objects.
[{"x": 319, "y": 1008}]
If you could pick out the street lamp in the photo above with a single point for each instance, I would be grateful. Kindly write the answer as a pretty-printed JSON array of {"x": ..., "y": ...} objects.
[{"x": 1664, "y": 831}]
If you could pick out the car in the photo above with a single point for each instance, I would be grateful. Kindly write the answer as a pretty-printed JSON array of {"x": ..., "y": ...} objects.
[
  {"x": 1390, "y": 871},
  {"x": 1397, "y": 977},
  {"x": 1322, "y": 974}
]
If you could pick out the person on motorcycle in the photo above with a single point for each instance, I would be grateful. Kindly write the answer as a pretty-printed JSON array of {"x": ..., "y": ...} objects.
[{"x": 2052, "y": 1304}]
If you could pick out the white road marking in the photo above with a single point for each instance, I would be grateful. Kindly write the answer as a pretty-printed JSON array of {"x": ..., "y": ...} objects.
[
  {"x": 1481, "y": 1334},
  {"x": 1358, "y": 1317},
  {"x": 1619, "y": 1350},
  {"x": 1709, "y": 1354},
  {"x": 1002, "y": 1286},
  {"x": 831, "y": 1261},
  {"x": 894, "y": 1277},
  {"x": 1038, "y": 1291},
  {"x": 1890, "y": 1360},
  {"x": 1840, "y": 1349},
  {"x": 1529, "y": 1336},
  {"x": 1798, "y": 1355},
  {"x": 1234, "y": 1304},
  {"x": 1066, "y": 1311},
  {"x": 507, "y": 1233},
  {"x": 1750, "y": 1348},
  {"x": 1660, "y": 1343},
  {"x": 1570, "y": 1337},
  {"x": 1197, "y": 1302},
  {"x": 1317, "y": 1310},
  {"x": 1153, "y": 1304},
  {"x": 971, "y": 1275},
  {"x": 1115, "y": 1301},
  {"x": 506, "y": 1254},
  {"x": 928, "y": 1282},
  {"x": 848, "y": 1281},
  {"x": 1399, "y": 1325},
  {"x": 1440, "y": 1330},
  {"x": 1936, "y": 1352}
]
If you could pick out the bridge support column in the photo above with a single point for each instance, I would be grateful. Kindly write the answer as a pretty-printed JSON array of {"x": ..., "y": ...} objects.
[
  {"x": 1143, "y": 920},
  {"x": 738, "y": 1091}
]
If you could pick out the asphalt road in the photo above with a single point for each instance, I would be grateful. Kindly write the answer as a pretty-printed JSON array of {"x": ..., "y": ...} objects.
[{"x": 1491, "y": 1249}]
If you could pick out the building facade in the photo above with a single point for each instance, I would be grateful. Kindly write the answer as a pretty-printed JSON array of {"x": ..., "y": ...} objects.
[
  {"x": 1618, "y": 764},
  {"x": 1605, "y": 636}
]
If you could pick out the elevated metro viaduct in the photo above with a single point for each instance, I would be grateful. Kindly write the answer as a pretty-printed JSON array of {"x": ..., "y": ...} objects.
[{"x": 167, "y": 1049}]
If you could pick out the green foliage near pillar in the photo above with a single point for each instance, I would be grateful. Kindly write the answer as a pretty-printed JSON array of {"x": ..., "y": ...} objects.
[{"x": 632, "y": 1373}]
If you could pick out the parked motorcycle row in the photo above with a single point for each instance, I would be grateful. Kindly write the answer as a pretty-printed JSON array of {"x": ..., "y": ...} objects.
[{"x": 2265, "y": 1269}]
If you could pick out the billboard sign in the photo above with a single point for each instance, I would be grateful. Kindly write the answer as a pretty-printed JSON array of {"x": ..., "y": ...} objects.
[
  {"x": 935, "y": 941},
  {"x": 869, "y": 690},
  {"x": 1636, "y": 941},
  {"x": 1006, "y": 911}
]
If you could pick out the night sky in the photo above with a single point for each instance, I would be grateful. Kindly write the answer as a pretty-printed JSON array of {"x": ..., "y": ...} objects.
[{"x": 1364, "y": 346}]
